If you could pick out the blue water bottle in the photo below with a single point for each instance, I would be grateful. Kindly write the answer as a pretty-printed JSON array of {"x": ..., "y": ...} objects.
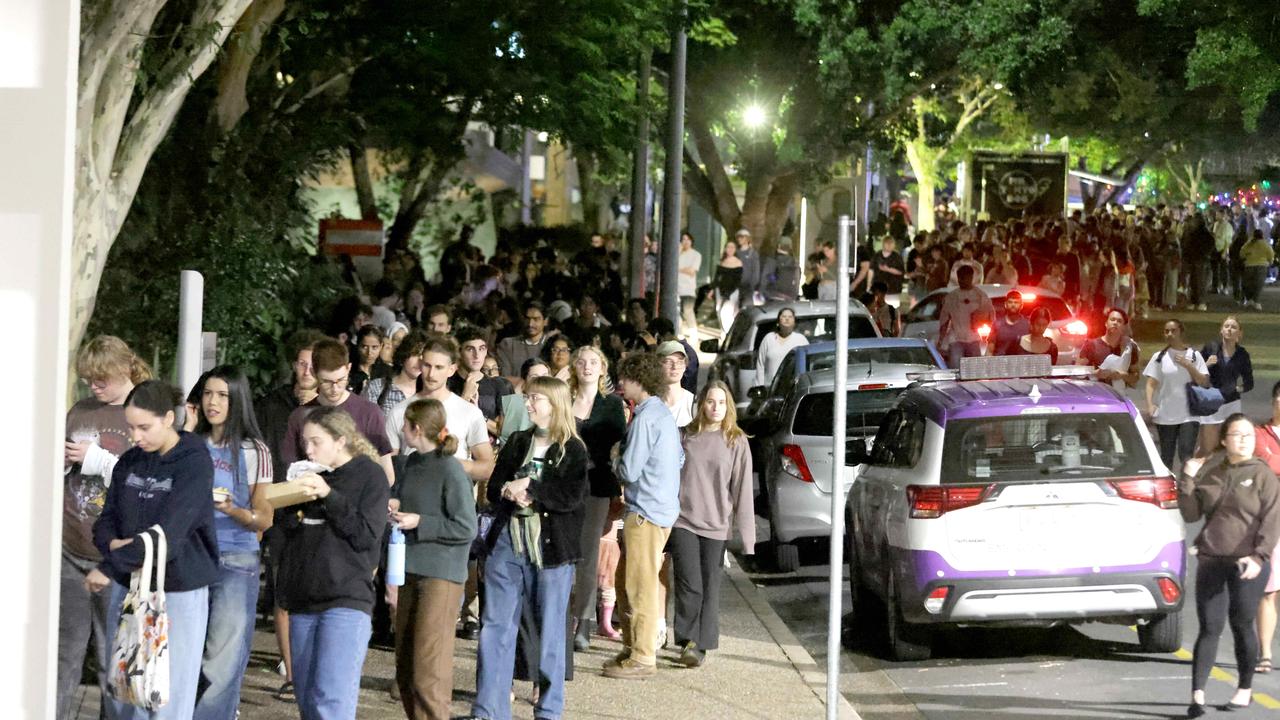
[{"x": 395, "y": 557}]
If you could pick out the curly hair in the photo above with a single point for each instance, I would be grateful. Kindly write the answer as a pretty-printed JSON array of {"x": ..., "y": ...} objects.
[
  {"x": 645, "y": 369},
  {"x": 108, "y": 357}
]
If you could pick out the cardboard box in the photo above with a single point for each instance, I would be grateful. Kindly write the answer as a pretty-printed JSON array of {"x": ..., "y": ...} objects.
[{"x": 285, "y": 494}]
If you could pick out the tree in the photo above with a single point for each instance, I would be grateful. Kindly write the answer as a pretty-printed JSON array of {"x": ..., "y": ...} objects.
[{"x": 132, "y": 83}]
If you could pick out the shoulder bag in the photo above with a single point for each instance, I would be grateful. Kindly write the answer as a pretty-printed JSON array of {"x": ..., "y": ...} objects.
[{"x": 139, "y": 672}]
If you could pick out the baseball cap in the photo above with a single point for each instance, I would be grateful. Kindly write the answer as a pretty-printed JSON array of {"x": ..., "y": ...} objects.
[
  {"x": 741, "y": 232},
  {"x": 670, "y": 347}
]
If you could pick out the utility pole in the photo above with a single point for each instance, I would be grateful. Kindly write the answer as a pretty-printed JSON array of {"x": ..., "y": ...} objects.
[
  {"x": 669, "y": 301},
  {"x": 639, "y": 224}
]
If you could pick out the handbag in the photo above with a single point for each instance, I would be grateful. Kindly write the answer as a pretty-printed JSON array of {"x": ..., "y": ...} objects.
[
  {"x": 139, "y": 671},
  {"x": 1202, "y": 401}
]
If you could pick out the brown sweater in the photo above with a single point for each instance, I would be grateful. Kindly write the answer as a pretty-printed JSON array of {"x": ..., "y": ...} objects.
[
  {"x": 1247, "y": 521},
  {"x": 715, "y": 487}
]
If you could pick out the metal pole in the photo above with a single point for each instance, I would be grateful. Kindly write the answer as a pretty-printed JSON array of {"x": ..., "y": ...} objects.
[
  {"x": 639, "y": 183},
  {"x": 669, "y": 300},
  {"x": 190, "y": 319},
  {"x": 526, "y": 182},
  {"x": 835, "y": 579}
]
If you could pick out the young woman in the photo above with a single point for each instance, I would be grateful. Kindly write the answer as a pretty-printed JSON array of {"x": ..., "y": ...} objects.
[
  {"x": 538, "y": 488},
  {"x": 1167, "y": 376},
  {"x": 166, "y": 479},
  {"x": 602, "y": 423},
  {"x": 1114, "y": 353},
  {"x": 407, "y": 366},
  {"x": 241, "y": 467},
  {"x": 514, "y": 415},
  {"x": 438, "y": 516},
  {"x": 1035, "y": 342},
  {"x": 1267, "y": 447},
  {"x": 97, "y": 435},
  {"x": 369, "y": 342},
  {"x": 1238, "y": 497},
  {"x": 558, "y": 354},
  {"x": 1231, "y": 371},
  {"x": 331, "y": 549},
  {"x": 395, "y": 335},
  {"x": 1125, "y": 285},
  {"x": 1256, "y": 256},
  {"x": 727, "y": 279},
  {"x": 715, "y": 499}
]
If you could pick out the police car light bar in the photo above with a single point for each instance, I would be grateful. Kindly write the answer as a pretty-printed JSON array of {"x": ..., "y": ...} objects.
[{"x": 1004, "y": 367}]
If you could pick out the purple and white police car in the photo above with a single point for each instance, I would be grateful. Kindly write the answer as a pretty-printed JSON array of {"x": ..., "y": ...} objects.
[{"x": 1010, "y": 493}]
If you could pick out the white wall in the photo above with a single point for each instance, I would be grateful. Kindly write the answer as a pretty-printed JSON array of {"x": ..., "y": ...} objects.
[{"x": 37, "y": 113}]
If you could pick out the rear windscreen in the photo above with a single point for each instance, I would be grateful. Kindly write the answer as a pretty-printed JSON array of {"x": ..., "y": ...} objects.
[
  {"x": 862, "y": 357},
  {"x": 1057, "y": 308},
  {"x": 863, "y": 412},
  {"x": 1043, "y": 447},
  {"x": 817, "y": 328}
]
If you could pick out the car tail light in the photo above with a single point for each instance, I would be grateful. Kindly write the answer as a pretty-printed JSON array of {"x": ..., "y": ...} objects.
[
  {"x": 1076, "y": 327},
  {"x": 937, "y": 599},
  {"x": 793, "y": 463},
  {"x": 1169, "y": 589},
  {"x": 1028, "y": 297},
  {"x": 934, "y": 501},
  {"x": 1161, "y": 491},
  {"x": 984, "y": 330},
  {"x": 873, "y": 386}
]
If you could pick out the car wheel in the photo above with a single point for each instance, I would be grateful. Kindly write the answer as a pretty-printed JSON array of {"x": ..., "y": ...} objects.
[
  {"x": 859, "y": 593},
  {"x": 907, "y": 642},
  {"x": 786, "y": 556},
  {"x": 1161, "y": 634}
]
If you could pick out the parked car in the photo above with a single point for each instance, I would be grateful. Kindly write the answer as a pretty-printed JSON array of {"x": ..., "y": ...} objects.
[
  {"x": 794, "y": 448},
  {"x": 1027, "y": 501},
  {"x": 1068, "y": 330},
  {"x": 736, "y": 361}
]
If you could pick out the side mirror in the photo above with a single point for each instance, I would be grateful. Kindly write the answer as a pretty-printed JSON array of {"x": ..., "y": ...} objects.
[
  {"x": 710, "y": 346},
  {"x": 759, "y": 392}
]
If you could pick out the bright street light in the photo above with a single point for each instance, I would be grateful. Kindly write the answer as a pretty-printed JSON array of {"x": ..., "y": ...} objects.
[{"x": 754, "y": 116}]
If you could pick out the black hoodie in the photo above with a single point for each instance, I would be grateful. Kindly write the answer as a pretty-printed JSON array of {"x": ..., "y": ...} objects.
[{"x": 173, "y": 490}]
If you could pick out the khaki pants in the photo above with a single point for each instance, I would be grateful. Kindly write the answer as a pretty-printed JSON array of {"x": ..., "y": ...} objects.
[
  {"x": 424, "y": 646},
  {"x": 643, "y": 543}
]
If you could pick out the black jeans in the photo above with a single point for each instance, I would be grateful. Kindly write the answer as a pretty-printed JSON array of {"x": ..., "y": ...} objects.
[
  {"x": 698, "y": 565},
  {"x": 1179, "y": 440},
  {"x": 1221, "y": 596}
]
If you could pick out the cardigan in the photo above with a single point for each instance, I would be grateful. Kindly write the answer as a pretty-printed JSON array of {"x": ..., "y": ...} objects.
[{"x": 559, "y": 496}]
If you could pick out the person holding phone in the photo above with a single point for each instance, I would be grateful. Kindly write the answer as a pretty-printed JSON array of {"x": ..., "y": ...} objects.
[{"x": 1238, "y": 497}]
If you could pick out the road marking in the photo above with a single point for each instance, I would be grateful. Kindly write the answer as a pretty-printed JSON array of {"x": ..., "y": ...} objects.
[
  {"x": 1218, "y": 673},
  {"x": 962, "y": 685}
]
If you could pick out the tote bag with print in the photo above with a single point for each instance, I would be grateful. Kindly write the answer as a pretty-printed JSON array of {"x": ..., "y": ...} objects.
[{"x": 139, "y": 671}]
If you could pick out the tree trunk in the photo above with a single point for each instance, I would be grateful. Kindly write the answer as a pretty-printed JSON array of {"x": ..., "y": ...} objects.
[
  {"x": 924, "y": 165},
  {"x": 359, "y": 157},
  {"x": 243, "y": 47}
]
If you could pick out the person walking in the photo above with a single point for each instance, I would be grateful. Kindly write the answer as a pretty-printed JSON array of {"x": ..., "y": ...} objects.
[
  {"x": 538, "y": 489},
  {"x": 1231, "y": 372},
  {"x": 1115, "y": 354},
  {"x": 716, "y": 498},
  {"x": 689, "y": 263},
  {"x": 438, "y": 516},
  {"x": 1168, "y": 374},
  {"x": 750, "y": 257},
  {"x": 1238, "y": 497},
  {"x": 1035, "y": 342},
  {"x": 957, "y": 336},
  {"x": 241, "y": 468},
  {"x": 776, "y": 344},
  {"x": 1256, "y": 257},
  {"x": 97, "y": 435},
  {"x": 1267, "y": 447},
  {"x": 165, "y": 481},
  {"x": 387, "y": 392},
  {"x": 727, "y": 281},
  {"x": 331, "y": 550}
]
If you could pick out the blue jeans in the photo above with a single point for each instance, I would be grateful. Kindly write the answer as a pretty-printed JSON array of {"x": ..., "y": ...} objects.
[
  {"x": 509, "y": 581},
  {"x": 188, "y": 616},
  {"x": 958, "y": 350},
  {"x": 233, "y": 604},
  {"x": 328, "y": 656}
]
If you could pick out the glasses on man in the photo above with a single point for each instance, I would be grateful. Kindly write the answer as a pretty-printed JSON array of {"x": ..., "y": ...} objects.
[{"x": 336, "y": 382}]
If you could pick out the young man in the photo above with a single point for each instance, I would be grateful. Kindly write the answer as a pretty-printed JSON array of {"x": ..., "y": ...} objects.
[
  {"x": 956, "y": 333},
  {"x": 677, "y": 399},
  {"x": 472, "y": 384},
  {"x": 689, "y": 263},
  {"x": 1010, "y": 326},
  {"x": 513, "y": 351},
  {"x": 775, "y": 346},
  {"x": 750, "y": 269},
  {"x": 439, "y": 320},
  {"x": 662, "y": 331},
  {"x": 884, "y": 314},
  {"x": 889, "y": 267},
  {"x": 649, "y": 468}
]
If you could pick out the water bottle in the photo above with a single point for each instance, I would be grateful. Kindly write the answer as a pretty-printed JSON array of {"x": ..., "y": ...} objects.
[{"x": 395, "y": 557}]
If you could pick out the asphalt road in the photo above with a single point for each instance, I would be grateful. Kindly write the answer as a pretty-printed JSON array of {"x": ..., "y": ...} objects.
[{"x": 1087, "y": 671}]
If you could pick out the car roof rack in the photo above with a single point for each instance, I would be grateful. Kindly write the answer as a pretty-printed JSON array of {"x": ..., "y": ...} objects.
[{"x": 1004, "y": 367}]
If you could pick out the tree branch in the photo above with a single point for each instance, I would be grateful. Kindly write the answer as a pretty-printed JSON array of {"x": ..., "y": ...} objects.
[
  {"x": 698, "y": 185},
  {"x": 104, "y": 100},
  {"x": 726, "y": 203},
  {"x": 359, "y": 157},
  {"x": 243, "y": 47}
]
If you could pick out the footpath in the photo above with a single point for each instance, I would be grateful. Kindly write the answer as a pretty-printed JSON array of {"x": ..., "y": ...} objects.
[{"x": 760, "y": 672}]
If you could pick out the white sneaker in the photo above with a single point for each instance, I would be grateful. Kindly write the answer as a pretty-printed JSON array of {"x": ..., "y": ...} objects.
[{"x": 662, "y": 634}]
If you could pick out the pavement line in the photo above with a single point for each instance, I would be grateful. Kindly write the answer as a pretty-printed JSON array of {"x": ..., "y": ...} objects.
[
  {"x": 800, "y": 659},
  {"x": 1218, "y": 673}
]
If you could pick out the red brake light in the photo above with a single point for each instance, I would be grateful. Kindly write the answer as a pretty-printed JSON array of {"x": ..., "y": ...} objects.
[
  {"x": 1076, "y": 327},
  {"x": 1028, "y": 297},
  {"x": 873, "y": 386},
  {"x": 937, "y": 599},
  {"x": 1161, "y": 491},
  {"x": 1169, "y": 589},
  {"x": 793, "y": 463},
  {"x": 984, "y": 330},
  {"x": 934, "y": 501}
]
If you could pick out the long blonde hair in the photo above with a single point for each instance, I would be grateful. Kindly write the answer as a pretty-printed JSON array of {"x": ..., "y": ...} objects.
[
  {"x": 339, "y": 424},
  {"x": 574, "y": 386},
  {"x": 729, "y": 426},
  {"x": 563, "y": 426}
]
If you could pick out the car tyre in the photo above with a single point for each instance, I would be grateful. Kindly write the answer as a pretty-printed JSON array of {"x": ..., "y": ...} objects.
[
  {"x": 1162, "y": 634},
  {"x": 907, "y": 642},
  {"x": 859, "y": 593},
  {"x": 786, "y": 556}
]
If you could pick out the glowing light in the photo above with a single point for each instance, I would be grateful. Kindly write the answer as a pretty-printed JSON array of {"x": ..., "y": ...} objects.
[
  {"x": 998, "y": 85},
  {"x": 754, "y": 116}
]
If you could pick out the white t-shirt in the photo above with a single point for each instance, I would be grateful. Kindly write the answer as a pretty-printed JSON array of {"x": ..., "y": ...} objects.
[
  {"x": 958, "y": 307},
  {"x": 687, "y": 284},
  {"x": 463, "y": 420},
  {"x": 773, "y": 349},
  {"x": 683, "y": 410},
  {"x": 1171, "y": 394}
]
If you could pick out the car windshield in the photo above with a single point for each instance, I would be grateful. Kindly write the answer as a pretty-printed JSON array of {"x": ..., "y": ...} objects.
[
  {"x": 817, "y": 328},
  {"x": 862, "y": 357},
  {"x": 1043, "y": 446},
  {"x": 864, "y": 410}
]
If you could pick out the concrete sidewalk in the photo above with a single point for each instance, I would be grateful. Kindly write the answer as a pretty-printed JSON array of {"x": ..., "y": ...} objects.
[{"x": 760, "y": 671}]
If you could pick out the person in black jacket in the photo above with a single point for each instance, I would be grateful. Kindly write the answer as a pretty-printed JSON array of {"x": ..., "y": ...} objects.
[
  {"x": 538, "y": 489},
  {"x": 330, "y": 552},
  {"x": 161, "y": 486},
  {"x": 1231, "y": 372}
]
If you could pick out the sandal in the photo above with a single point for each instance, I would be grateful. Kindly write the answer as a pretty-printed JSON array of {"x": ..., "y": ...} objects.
[
  {"x": 285, "y": 693},
  {"x": 1264, "y": 666}
]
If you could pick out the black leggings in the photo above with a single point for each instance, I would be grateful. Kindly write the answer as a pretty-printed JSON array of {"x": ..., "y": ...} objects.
[
  {"x": 699, "y": 567},
  {"x": 1221, "y": 596}
]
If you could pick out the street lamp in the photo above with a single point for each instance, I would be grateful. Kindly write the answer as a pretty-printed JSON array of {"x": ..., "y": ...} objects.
[{"x": 754, "y": 116}]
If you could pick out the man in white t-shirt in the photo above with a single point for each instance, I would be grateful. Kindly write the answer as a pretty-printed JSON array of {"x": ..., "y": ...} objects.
[
  {"x": 689, "y": 263},
  {"x": 775, "y": 346},
  {"x": 957, "y": 336},
  {"x": 678, "y": 400}
]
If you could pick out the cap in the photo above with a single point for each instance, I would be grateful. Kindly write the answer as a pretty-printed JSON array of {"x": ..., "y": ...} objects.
[
  {"x": 784, "y": 243},
  {"x": 671, "y": 347},
  {"x": 1013, "y": 295},
  {"x": 741, "y": 232}
]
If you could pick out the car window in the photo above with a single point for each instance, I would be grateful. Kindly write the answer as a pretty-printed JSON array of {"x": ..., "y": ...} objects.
[
  {"x": 864, "y": 411},
  {"x": 909, "y": 443},
  {"x": 886, "y": 439},
  {"x": 817, "y": 328},
  {"x": 917, "y": 355},
  {"x": 925, "y": 310},
  {"x": 737, "y": 335},
  {"x": 785, "y": 379},
  {"x": 1043, "y": 446},
  {"x": 1058, "y": 309}
]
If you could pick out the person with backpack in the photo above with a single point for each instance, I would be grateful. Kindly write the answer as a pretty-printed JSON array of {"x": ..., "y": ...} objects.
[{"x": 1168, "y": 374}]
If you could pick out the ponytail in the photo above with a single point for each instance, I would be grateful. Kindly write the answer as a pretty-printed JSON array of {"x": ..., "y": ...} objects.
[{"x": 428, "y": 416}]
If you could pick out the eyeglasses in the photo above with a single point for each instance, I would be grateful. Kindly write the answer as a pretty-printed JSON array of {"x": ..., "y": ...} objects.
[
  {"x": 302, "y": 366},
  {"x": 99, "y": 383},
  {"x": 674, "y": 360},
  {"x": 336, "y": 382},
  {"x": 532, "y": 398},
  {"x": 559, "y": 349}
]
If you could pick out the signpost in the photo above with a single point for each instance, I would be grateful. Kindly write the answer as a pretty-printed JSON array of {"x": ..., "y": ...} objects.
[{"x": 838, "y": 441}]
